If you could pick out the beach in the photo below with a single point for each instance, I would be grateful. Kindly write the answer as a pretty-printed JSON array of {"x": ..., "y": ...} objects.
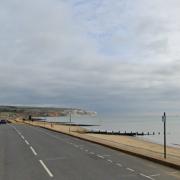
[
  {"x": 131, "y": 145},
  {"x": 135, "y": 123}
]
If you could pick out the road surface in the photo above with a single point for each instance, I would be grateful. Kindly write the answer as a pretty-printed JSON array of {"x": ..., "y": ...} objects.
[{"x": 32, "y": 153}]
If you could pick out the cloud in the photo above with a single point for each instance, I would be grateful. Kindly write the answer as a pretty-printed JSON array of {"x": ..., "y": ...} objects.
[{"x": 107, "y": 56}]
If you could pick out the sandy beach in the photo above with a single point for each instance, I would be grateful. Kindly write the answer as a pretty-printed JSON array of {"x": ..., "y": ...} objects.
[{"x": 125, "y": 143}]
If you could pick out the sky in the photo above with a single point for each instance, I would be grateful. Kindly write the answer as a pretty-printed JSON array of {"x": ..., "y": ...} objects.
[{"x": 108, "y": 56}]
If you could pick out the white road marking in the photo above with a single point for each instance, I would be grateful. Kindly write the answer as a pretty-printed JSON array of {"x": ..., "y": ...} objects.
[
  {"x": 15, "y": 129},
  {"x": 173, "y": 172},
  {"x": 106, "y": 155},
  {"x": 155, "y": 175},
  {"x": 92, "y": 153},
  {"x": 86, "y": 150},
  {"x": 46, "y": 169},
  {"x": 26, "y": 142},
  {"x": 118, "y": 164},
  {"x": 75, "y": 145},
  {"x": 148, "y": 177},
  {"x": 129, "y": 169},
  {"x": 34, "y": 152},
  {"x": 100, "y": 156},
  {"x": 22, "y": 137},
  {"x": 109, "y": 160},
  {"x": 81, "y": 145},
  {"x": 49, "y": 134}
]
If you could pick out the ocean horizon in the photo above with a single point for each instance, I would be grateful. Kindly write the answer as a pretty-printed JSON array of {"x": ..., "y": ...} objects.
[{"x": 131, "y": 123}]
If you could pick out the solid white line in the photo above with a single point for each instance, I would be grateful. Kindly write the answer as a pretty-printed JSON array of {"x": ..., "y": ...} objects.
[
  {"x": 129, "y": 169},
  {"x": 45, "y": 167},
  {"x": 26, "y": 142},
  {"x": 118, "y": 164},
  {"x": 34, "y": 152},
  {"x": 146, "y": 176}
]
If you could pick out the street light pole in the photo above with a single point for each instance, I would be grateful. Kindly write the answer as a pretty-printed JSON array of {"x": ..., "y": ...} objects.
[
  {"x": 164, "y": 120},
  {"x": 69, "y": 122}
]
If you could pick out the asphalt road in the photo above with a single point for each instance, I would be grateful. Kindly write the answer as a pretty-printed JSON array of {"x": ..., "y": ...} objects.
[{"x": 32, "y": 153}]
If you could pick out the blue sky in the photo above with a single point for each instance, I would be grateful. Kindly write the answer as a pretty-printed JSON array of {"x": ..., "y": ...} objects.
[{"x": 109, "y": 56}]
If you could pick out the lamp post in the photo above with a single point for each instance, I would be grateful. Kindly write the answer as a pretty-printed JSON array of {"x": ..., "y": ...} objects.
[{"x": 164, "y": 120}]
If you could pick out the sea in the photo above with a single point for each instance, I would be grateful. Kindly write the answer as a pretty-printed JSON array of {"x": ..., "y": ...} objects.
[{"x": 131, "y": 123}]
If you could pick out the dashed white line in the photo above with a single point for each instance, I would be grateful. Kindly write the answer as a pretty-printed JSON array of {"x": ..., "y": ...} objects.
[
  {"x": 34, "y": 152},
  {"x": 173, "y": 172},
  {"x": 26, "y": 142},
  {"x": 118, "y": 164},
  {"x": 86, "y": 150},
  {"x": 148, "y": 177},
  {"x": 155, "y": 175},
  {"x": 46, "y": 169},
  {"x": 129, "y": 169},
  {"x": 100, "y": 156},
  {"x": 109, "y": 160},
  {"x": 92, "y": 153},
  {"x": 22, "y": 137},
  {"x": 106, "y": 155}
]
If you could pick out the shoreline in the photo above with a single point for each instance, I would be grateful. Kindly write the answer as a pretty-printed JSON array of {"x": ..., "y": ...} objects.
[
  {"x": 130, "y": 145},
  {"x": 156, "y": 142}
]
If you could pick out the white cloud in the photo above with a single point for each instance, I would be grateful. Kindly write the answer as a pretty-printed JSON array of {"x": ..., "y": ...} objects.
[{"x": 95, "y": 54}]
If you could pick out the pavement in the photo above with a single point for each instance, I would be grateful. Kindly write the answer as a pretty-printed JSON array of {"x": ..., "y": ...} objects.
[{"x": 34, "y": 153}]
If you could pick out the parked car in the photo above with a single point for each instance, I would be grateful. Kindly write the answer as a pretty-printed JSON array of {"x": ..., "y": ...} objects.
[{"x": 2, "y": 121}]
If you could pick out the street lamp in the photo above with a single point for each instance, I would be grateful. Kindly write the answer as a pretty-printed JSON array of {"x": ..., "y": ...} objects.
[{"x": 164, "y": 120}]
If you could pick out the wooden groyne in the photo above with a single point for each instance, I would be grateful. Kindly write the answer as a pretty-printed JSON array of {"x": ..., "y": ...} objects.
[{"x": 122, "y": 133}]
